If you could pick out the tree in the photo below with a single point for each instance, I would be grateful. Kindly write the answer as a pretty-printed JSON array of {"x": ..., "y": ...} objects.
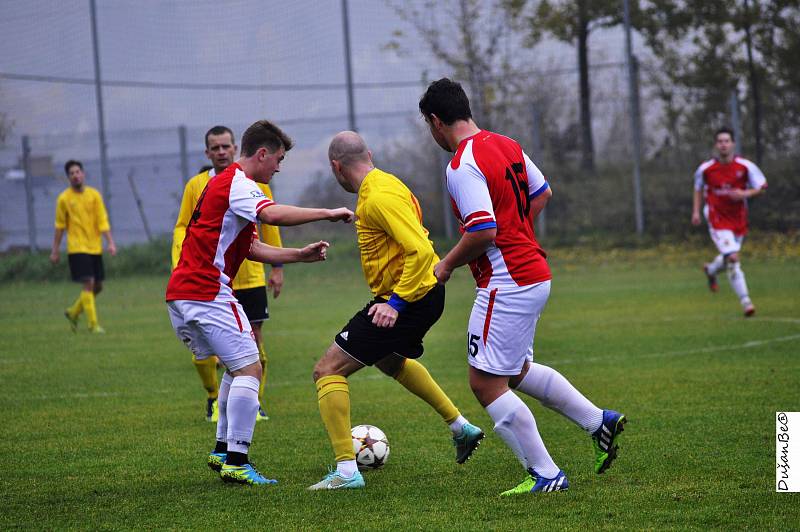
[{"x": 570, "y": 22}]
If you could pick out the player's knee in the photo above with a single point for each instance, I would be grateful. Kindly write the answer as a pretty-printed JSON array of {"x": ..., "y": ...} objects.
[
  {"x": 732, "y": 258},
  {"x": 391, "y": 365},
  {"x": 98, "y": 287},
  {"x": 324, "y": 367}
]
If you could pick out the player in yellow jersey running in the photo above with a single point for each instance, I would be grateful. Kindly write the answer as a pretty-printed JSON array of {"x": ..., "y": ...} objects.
[
  {"x": 81, "y": 213},
  {"x": 397, "y": 258},
  {"x": 249, "y": 286}
]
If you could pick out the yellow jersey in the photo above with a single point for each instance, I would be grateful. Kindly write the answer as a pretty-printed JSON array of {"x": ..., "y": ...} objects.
[
  {"x": 83, "y": 215},
  {"x": 251, "y": 274},
  {"x": 396, "y": 254}
]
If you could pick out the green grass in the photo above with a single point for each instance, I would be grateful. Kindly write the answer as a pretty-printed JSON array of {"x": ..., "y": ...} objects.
[{"x": 107, "y": 432}]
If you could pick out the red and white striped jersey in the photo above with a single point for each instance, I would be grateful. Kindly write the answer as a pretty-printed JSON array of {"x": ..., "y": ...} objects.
[
  {"x": 218, "y": 238},
  {"x": 719, "y": 179},
  {"x": 491, "y": 183}
]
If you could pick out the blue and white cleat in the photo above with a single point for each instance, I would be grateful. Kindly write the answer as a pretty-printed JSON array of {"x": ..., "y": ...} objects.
[
  {"x": 604, "y": 440},
  {"x": 535, "y": 483},
  {"x": 335, "y": 480},
  {"x": 466, "y": 442},
  {"x": 244, "y": 474}
]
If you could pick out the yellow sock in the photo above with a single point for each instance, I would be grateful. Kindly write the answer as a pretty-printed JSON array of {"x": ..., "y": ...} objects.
[
  {"x": 87, "y": 301},
  {"x": 262, "y": 356},
  {"x": 333, "y": 395},
  {"x": 77, "y": 307},
  {"x": 207, "y": 369},
  {"x": 418, "y": 381}
]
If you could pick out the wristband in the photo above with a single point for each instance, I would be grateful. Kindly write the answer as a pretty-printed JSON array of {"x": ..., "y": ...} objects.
[{"x": 397, "y": 303}]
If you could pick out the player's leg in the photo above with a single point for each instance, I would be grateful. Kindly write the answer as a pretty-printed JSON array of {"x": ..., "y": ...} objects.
[
  {"x": 80, "y": 272},
  {"x": 207, "y": 371},
  {"x": 95, "y": 265},
  {"x": 262, "y": 357},
  {"x": 333, "y": 395},
  {"x": 254, "y": 303},
  {"x": 500, "y": 323},
  {"x": 711, "y": 269}
]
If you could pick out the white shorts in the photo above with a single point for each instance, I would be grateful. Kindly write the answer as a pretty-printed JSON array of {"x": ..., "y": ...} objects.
[
  {"x": 725, "y": 240},
  {"x": 502, "y": 326},
  {"x": 215, "y": 328}
]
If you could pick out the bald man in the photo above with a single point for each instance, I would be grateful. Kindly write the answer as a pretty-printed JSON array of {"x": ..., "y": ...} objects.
[{"x": 397, "y": 258}]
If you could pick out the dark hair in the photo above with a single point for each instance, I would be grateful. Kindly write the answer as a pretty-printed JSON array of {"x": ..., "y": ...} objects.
[
  {"x": 724, "y": 129},
  {"x": 205, "y": 168},
  {"x": 219, "y": 130},
  {"x": 69, "y": 164},
  {"x": 264, "y": 134},
  {"x": 447, "y": 100}
]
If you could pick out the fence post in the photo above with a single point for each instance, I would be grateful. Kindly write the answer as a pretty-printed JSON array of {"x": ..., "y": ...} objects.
[
  {"x": 26, "y": 166},
  {"x": 536, "y": 145},
  {"x": 184, "y": 154},
  {"x": 636, "y": 124}
]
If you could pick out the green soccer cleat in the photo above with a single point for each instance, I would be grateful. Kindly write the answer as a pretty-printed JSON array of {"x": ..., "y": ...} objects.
[
  {"x": 212, "y": 411},
  {"x": 73, "y": 321},
  {"x": 244, "y": 474},
  {"x": 466, "y": 442},
  {"x": 335, "y": 481},
  {"x": 604, "y": 440},
  {"x": 216, "y": 460},
  {"x": 97, "y": 330},
  {"x": 537, "y": 483},
  {"x": 262, "y": 414}
]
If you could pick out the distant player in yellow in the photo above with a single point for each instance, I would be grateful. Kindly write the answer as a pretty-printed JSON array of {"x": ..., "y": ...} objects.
[
  {"x": 81, "y": 213},
  {"x": 249, "y": 286},
  {"x": 397, "y": 259}
]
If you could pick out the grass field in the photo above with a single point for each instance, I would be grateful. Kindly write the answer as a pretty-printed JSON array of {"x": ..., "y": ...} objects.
[{"x": 107, "y": 432}]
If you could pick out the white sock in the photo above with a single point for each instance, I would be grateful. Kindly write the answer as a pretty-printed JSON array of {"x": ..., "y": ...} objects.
[
  {"x": 738, "y": 283},
  {"x": 716, "y": 265},
  {"x": 458, "y": 424},
  {"x": 241, "y": 411},
  {"x": 222, "y": 404},
  {"x": 514, "y": 422},
  {"x": 347, "y": 468},
  {"x": 557, "y": 393}
]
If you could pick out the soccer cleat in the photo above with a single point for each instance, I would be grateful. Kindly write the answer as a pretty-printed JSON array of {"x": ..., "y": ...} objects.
[
  {"x": 467, "y": 442},
  {"x": 712, "y": 279},
  {"x": 604, "y": 440},
  {"x": 216, "y": 460},
  {"x": 536, "y": 483},
  {"x": 335, "y": 481},
  {"x": 262, "y": 414},
  {"x": 243, "y": 474},
  {"x": 212, "y": 410},
  {"x": 749, "y": 310},
  {"x": 97, "y": 330},
  {"x": 73, "y": 322}
]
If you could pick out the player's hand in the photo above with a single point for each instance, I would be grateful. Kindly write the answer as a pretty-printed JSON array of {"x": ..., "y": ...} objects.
[
  {"x": 112, "y": 248},
  {"x": 383, "y": 315},
  {"x": 54, "y": 256},
  {"x": 314, "y": 252},
  {"x": 341, "y": 214},
  {"x": 737, "y": 194},
  {"x": 275, "y": 281},
  {"x": 442, "y": 272},
  {"x": 695, "y": 218}
]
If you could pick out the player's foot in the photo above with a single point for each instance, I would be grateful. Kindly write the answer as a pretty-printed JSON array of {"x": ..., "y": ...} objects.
[
  {"x": 749, "y": 310},
  {"x": 97, "y": 330},
  {"x": 535, "y": 482},
  {"x": 262, "y": 414},
  {"x": 712, "y": 279},
  {"x": 212, "y": 410},
  {"x": 466, "y": 442},
  {"x": 216, "y": 460},
  {"x": 243, "y": 474},
  {"x": 604, "y": 440},
  {"x": 73, "y": 321},
  {"x": 335, "y": 481}
]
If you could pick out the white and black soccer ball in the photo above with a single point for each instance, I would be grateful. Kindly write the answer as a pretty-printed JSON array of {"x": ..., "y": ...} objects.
[{"x": 370, "y": 445}]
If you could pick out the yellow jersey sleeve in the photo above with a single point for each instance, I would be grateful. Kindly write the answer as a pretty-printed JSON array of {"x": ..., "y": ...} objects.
[
  {"x": 101, "y": 214},
  {"x": 191, "y": 193},
  {"x": 61, "y": 211}
]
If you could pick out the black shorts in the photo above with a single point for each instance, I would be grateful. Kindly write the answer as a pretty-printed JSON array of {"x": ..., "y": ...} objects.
[
  {"x": 83, "y": 266},
  {"x": 368, "y": 343},
  {"x": 254, "y": 303}
]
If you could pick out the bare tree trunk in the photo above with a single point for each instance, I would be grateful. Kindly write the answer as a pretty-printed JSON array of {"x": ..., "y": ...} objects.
[
  {"x": 587, "y": 144},
  {"x": 753, "y": 84}
]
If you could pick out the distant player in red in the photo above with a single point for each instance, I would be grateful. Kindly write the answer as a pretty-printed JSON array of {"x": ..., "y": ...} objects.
[
  {"x": 727, "y": 181},
  {"x": 496, "y": 192},
  {"x": 202, "y": 307}
]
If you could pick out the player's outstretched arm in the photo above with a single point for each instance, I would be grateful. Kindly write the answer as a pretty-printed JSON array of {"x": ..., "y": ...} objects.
[
  {"x": 471, "y": 246},
  {"x": 291, "y": 215},
  {"x": 262, "y": 252}
]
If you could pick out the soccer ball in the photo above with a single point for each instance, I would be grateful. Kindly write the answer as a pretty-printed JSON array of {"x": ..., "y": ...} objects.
[{"x": 370, "y": 445}]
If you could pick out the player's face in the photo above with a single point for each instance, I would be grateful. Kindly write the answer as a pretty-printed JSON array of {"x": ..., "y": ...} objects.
[
  {"x": 725, "y": 144},
  {"x": 221, "y": 151},
  {"x": 76, "y": 176},
  {"x": 435, "y": 125},
  {"x": 270, "y": 162}
]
